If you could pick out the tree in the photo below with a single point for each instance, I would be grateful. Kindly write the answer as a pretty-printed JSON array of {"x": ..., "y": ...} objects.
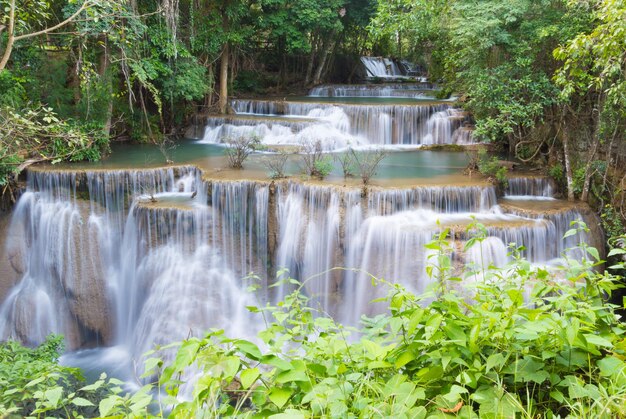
[
  {"x": 592, "y": 74},
  {"x": 19, "y": 23}
]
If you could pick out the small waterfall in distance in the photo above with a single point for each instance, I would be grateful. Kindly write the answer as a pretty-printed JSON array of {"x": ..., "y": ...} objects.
[{"x": 381, "y": 67}]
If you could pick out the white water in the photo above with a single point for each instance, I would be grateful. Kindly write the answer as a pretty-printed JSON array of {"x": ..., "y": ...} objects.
[
  {"x": 408, "y": 90},
  {"x": 105, "y": 266},
  {"x": 530, "y": 188},
  {"x": 339, "y": 126},
  {"x": 381, "y": 67}
]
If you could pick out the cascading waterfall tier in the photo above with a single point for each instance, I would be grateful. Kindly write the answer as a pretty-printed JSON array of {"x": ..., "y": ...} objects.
[
  {"x": 347, "y": 125},
  {"x": 380, "y": 67},
  {"x": 140, "y": 257},
  {"x": 407, "y": 90},
  {"x": 530, "y": 187},
  {"x": 106, "y": 254}
]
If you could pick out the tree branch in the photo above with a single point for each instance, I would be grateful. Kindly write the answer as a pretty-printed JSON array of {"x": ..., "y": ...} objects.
[{"x": 57, "y": 26}]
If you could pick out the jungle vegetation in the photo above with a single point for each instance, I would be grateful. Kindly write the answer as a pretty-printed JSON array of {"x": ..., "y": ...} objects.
[{"x": 542, "y": 79}]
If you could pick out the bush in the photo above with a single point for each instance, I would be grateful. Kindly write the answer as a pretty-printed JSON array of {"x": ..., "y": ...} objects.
[
  {"x": 491, "y": 168},
  {"x": 38, "y": 135},
  {"x": 347, "y": 164},
  {"x": 275, "y": 163},
  {"x": 316, "y": 164},
  {"x": 367, "y": 163},
  {"x": 239, "y": 148}
]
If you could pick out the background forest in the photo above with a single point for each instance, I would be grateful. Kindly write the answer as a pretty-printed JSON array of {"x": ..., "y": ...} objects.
[{"x": 542, "y": 79}]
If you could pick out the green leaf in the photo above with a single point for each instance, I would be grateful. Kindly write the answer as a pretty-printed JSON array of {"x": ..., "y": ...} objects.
[
  {"x": 248, "y": 377},
  {"x": 593, "y": 252},
  {"x": 495, "y": 360},
  {"x": 598, "y": 340},
  {"x": 186, "y": 354},
  {"x": 616, "y": 251},
  {"x": 291, "y": 376},
  {"x": 290, "y": 414},
  {"x": 404, "y": 358},
  {"x": 250, "y": 349},
  {"x": 570, "y": 232},
  {"x": 227, "y": 367},
  {"x": 611, "y": 366},
  {"x": 150, "y": 364},
  {"x": 79, "y": 401},
  {"x": 455, "y": 392},
  {"x": 54, "y": 395},
  {"x": 280, "y": 396},
  {"x": 106, "y": 405}
]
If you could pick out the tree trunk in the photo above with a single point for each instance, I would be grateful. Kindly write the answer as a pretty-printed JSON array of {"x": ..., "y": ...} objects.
[
  {"x": 105, "y": 64},
  {"x": 568, "y": 166},
  {"x": 584, "y": 196},
  {"x": 320, "y": 67},
  {"x": 11, "y": 37},
  {"x": 311, "y": 63},
  {"x": 223, "y": 102}
]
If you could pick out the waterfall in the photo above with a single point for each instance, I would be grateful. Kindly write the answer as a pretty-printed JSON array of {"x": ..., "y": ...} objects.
[
  {"x": 445, "y": 199},
  {"x": 530, "y": 187},
  {"x": 341, "y": 125},
  {"x": 129, "y": 258},
  {"x": 381, "y": 67},
  {"x": 412, "y": 90}
]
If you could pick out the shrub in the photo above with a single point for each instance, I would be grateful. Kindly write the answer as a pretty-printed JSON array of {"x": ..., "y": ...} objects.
[
  {"x": 239, "y": 148},
  {"x": 367, "y": 163},
  {"x": 275, "y": 163},
  {"x": 347, "y": 164},
  {"x": 492, "y": 168},
  {"x": 315, "y": 163}
]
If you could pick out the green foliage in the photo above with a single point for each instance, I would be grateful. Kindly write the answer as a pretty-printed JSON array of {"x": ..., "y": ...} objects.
[
  {"x": 558, "y": 351},
  {"x": 490, "y": 166},
  {"x": 33, "y": 384},
  {"x": 31, "y": 380},
  {"x": 556, "y": 172},
  {"x": 509, "y": 99},
  {"x": 612, "y": 223},
  {"x": 596, "y": 59},
  {"x": 322, "y": 167},
  {"x": 37, "y": 134},
  {"x": 12, "y": 92}
]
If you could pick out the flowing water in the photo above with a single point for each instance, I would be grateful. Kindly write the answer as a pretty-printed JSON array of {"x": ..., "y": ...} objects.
[
  {"x": 346, "y": 117},
  {"x": 123, "y": 259}
]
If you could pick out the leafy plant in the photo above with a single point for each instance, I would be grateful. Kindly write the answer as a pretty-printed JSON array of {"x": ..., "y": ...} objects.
[
  {"x": 322, "y": 167},
  {"x": 518, "y": 341},
  {"x": 315, "y": 163},
  {"x": 491, "y": 167},
  {"x": 38, "y": 135}
]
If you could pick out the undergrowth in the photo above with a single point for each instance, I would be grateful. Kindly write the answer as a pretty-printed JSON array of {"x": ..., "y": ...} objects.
[{"x": 517, "y": 342}]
